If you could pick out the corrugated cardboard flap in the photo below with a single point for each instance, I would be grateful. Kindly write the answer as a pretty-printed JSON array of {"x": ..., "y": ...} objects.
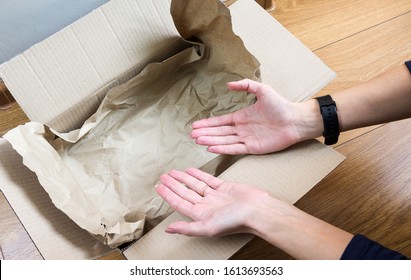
[{"x": 61, "y": 81}]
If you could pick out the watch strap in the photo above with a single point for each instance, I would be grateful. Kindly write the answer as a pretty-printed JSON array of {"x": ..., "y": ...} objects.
[{"x": 329, "y": 114}]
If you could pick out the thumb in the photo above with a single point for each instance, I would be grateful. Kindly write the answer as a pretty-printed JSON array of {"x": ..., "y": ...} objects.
[{"x": 248, "y": 85}]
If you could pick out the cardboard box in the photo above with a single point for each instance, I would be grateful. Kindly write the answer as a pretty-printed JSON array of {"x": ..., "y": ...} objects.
[{"x": 61, "y": 81}]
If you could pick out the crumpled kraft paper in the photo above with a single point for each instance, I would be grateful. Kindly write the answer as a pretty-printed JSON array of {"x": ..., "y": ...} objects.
[{"x": 103, "y": 174}]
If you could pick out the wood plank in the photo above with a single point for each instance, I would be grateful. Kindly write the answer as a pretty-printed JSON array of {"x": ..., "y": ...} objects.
[
  {"x": 356, "y": 60},
  {"x": 11, "y": 114},
  {"x": 5, "y": 98},
  {"x": 113, "y": 255},
  {"x": 11, "y": 118},
  {"x": 375, "y": 198},
  {"x": 318, "y": 23},
  {"x": 15, "y": 243},
  {"x": 406, "y": 251},
  {"x": 369, "y": 53}
]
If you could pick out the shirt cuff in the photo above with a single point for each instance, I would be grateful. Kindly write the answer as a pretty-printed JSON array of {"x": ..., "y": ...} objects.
[{"x": 362, "y": 248}]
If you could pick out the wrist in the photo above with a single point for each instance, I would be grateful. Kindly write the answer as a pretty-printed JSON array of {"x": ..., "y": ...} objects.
[
  {"x": 308, "y": 119},
  {"x": 268, "y": 215},
  {"x": 298, "y": 233}
]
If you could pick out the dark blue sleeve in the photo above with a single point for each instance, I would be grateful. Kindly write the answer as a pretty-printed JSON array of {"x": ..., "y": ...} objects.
[
  {"x": 408, "y": 64},
  {"x": 362, "y": 248}
]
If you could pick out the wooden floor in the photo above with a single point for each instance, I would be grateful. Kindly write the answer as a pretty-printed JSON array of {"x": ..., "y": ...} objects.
[{"x": 370, "y": 192}]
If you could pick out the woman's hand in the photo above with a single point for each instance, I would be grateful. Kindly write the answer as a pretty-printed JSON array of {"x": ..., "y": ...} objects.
[
  {"x": 220, "y": 208},
  {"x": 271, "y": 124},
  {"x": 215, "y": 206}
]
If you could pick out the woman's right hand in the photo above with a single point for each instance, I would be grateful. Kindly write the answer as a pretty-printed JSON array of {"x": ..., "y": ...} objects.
[{"x": 271, "y": 124}]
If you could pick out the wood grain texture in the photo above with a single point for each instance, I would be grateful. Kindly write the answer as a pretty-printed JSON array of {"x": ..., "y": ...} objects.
[
  {"x": 356, "y": 60},
  {"x": 11, "y": 114},
  {"x": 113, "y": 255},
  {"x": 318, "y": 23},
  {"x": 5, "y": 97},
  {"x": 15, "y": 243},
  {"x": 375, "y": 199},
  {"x": 369, "y": 53},
  {"x": 11, "y": 118}
]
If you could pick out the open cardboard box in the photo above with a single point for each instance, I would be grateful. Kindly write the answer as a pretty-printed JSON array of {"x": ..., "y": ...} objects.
[{"x": 62, "y": 80}]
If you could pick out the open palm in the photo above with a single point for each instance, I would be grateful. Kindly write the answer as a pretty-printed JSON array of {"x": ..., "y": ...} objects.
[{"x": 264, "y": 127}]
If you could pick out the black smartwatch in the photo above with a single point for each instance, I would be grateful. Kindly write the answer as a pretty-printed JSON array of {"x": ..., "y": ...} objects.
[{"x": 328, "y": 110}]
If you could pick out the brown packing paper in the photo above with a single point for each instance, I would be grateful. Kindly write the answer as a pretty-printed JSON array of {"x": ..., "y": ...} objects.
[
  {"x": 54, "y": 234},
  {"x": 102, "y": 175}
]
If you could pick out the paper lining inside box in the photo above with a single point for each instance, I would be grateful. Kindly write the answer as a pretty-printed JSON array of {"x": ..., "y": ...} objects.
[{"x": 103, "y": 174}]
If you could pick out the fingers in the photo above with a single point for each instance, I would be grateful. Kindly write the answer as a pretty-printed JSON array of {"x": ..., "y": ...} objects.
[
  {"x": 213, "y": 131},
  {"x": 196, "y": 179},
  {"x": 234, "y": 149},
  {"x": 189, "y": 186},
  {"x": 172, "y": 191},
  {"x": 218, "y": 140},
  {"x": 226, "y": 120},
  {"x": 213, "y": 122},
  {"x": 175, "y": 201},
  {"x": 199, "y": 187},
  {"x": 210, "y": 180},
  {"x": 175, "y": 184}
]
